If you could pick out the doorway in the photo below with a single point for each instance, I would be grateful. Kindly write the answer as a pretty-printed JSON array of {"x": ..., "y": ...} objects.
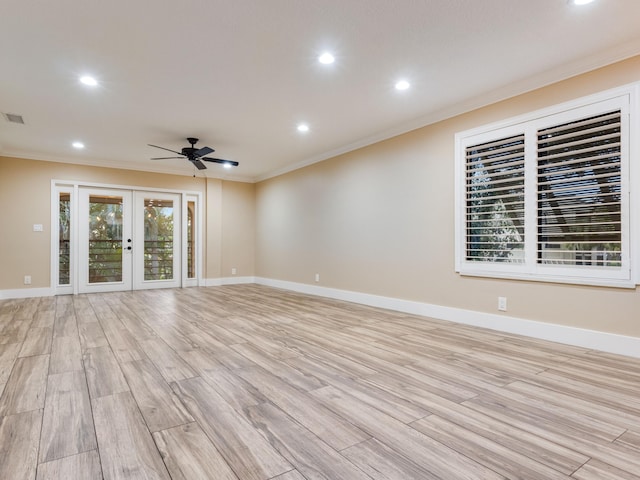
[{"x": 116, "y": 239}]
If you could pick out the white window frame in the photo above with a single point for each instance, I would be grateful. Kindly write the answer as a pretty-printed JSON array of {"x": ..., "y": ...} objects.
[
  {"x": 628, "y": 275},
  {"x": 56, "y": 190},
  {"x": 198, "y": 219}
]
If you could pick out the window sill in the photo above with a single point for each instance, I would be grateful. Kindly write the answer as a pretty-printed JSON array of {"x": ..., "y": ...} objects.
[{"x": 567, "y": 280}]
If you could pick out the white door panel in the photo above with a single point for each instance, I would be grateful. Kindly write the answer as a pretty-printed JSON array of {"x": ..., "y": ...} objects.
[
  {"x": 104, "y": 240},
  {"x": 156, "y": 249}
]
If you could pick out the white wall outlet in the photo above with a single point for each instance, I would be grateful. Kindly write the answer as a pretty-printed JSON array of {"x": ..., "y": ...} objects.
[
  {"x": 37, "y": 227},
  {"x": 317, "y": 277},
  {"x": 234, "y": 271},
  {"x": 502, "y": 304},
  {"x": 27, "y": 279}
]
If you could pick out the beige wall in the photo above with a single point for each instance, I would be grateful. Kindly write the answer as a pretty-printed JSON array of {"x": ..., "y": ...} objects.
[
  {"x": 213, "y": 222},
  {"x": 238, "y": 229},
  {"x": 380, "y": 220},
  {"x": 25, "y": 193}
]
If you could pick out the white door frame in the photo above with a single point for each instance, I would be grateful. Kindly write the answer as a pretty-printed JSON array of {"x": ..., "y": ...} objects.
[{"x": 72, "y": 188}]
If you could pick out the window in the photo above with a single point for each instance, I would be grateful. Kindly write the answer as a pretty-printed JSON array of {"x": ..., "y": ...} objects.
[
  {"x": 63, "y": 228},
  {"x": 546, "y": 196},
  {"x": 580, "y": 192},
  {"x": 191, "y": 236},
  {"x": 64, "y": 239},
  {"x": 495, "y": 201}
]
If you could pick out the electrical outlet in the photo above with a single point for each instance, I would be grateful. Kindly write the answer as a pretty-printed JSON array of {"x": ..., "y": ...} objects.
[
  {"x": 317, "y": 277},
  {"x": 27, "y": 279},
  {"x": 502, "y": 304},
  {"x": 234, "y": 271},
  {"x": 37, "y": 227}
]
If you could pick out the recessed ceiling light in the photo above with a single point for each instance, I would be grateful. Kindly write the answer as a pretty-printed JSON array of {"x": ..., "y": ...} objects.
[
  {"x": 581, "y": 2},
  {"x": 402, "y": 85},
  {"x": 88, "y": 80},
  {"x": 326, "y": 58},
  {"x": 303, "y": 127},
  {"x": 78, "y": 145}
]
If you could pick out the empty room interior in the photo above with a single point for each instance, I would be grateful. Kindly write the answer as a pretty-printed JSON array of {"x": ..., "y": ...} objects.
[{"x": 300, "y": 240}]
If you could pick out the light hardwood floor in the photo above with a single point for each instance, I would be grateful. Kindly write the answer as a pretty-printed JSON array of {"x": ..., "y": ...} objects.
[{"x": 247, "y": 382}]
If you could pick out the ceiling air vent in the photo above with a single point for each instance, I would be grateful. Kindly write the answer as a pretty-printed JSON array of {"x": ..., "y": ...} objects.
[{"x": 14, "y": 118}]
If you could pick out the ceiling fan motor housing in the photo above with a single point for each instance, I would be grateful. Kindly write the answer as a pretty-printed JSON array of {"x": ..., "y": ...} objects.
[{"x": 189, "y": 152}]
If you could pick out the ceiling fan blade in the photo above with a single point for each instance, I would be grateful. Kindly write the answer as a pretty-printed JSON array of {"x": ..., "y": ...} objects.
[
  {"x": 204, "y": 151},
  {"x": 167, "y": 149},
  {"x": 199, "y": 165},
  {"x": 221, "y": 161},
  {"x": 165, "y": 158}
]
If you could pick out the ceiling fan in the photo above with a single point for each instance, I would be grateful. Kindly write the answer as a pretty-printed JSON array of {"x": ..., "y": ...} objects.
[{"x": 195, "y": 155}]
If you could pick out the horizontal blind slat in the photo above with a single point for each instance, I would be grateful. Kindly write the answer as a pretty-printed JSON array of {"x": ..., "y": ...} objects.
[
  {"x": 581, "y": 178},
  {"x": 548, "y": 137},
  {"x": 601, "y": 159},
  {"x": 600, "y": 142},
  {"x": 583, "y": 123},
  {"x": 584, "y": 187},
  {"x": 515, "y": 139},
  {"x": 573, "y": 153}
]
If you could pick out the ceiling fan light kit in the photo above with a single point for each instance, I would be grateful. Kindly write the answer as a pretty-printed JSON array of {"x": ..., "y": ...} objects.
[{"x": 196, "y": 155}]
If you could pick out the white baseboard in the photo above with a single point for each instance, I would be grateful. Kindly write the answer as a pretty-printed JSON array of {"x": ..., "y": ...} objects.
[
  {"x": 26, "y": 293},
  {"x": 217, "y": 282},
  {"x": 591, "y": 339}
]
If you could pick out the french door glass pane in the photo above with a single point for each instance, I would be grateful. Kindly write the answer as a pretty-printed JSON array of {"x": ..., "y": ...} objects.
[
  {"x": 64, "y": 238},
  {"x": 158, "y": 239},
  {"x": 105, "y": 239}
]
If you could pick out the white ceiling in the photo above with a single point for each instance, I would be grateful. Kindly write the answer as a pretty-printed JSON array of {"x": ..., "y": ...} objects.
[{"x": 241, "y": 74}]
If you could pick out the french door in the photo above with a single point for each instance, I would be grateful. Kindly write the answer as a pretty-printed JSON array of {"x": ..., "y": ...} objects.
[{"x": 128, "y": 240}]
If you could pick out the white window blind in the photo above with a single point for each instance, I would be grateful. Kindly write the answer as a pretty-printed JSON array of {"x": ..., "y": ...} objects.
[
  {"x": 495, "y": 200},
  {"x": 579, "y": 192},
  {"x": 546, "y": 196}
]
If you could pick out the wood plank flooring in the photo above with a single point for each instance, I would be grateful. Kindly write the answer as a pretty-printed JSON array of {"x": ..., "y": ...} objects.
[{"x": 247, "y": 382}]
